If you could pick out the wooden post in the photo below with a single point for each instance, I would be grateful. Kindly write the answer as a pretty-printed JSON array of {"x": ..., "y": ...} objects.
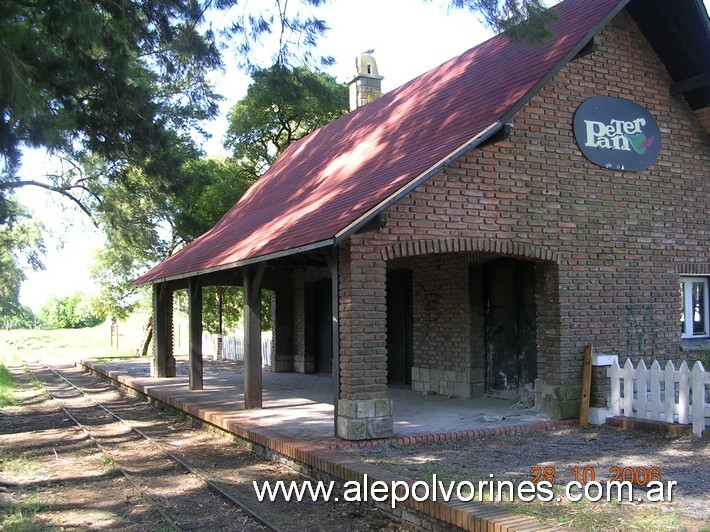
[
  {"x": 331, "y": 257},
  {"x": 252, "y": 335},
  {"x": 698, "y": 377},
  {"x": 195, "y": 312},
  {"x": 160, "y": 328},
  {"x": 586, "y": 386}
]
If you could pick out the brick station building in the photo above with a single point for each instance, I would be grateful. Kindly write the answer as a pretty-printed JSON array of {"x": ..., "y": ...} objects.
[{"x": 455, "y": 235}]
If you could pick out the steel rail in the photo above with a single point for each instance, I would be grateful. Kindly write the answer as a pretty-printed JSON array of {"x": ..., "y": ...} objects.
[{"x": 185, "y": 465}]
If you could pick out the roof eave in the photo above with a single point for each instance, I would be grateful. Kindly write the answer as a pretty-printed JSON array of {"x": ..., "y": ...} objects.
[{"x": 240, "y": 263}]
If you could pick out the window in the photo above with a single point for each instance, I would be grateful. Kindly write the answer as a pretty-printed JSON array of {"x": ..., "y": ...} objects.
[{"x": 694, "y": 315}]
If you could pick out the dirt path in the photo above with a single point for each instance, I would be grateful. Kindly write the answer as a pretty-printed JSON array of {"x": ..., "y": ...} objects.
[{"x": 52, "y": 475}]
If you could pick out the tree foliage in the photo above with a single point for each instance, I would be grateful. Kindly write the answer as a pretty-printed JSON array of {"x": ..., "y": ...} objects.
[
  {"x": 523, "y": 20},
  {"x": 21, "y": 247},
  {"x": 282, "y": 105},
  {"x": 115, "y": 79},
  {"x": 70, "y": 312}
]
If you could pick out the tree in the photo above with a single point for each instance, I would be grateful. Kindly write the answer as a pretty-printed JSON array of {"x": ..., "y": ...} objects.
[
  {"x": 282, "y": 105},
  {"x": 523, "y": 20},
  {"x": 70, "y": 312},
  {"x": 21, "y": 246},
  {"x": 114, "y": 79},
  {"x": 144, "y": 225}
]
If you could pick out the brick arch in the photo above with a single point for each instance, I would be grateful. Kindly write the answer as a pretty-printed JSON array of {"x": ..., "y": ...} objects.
[{"x": 512, "y": 248}]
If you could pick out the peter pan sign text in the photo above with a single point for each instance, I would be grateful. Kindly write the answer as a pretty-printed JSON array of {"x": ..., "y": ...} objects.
[{"x": 617, "y": 134}]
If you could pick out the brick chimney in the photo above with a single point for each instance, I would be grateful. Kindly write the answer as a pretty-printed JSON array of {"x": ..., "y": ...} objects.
[{"x": 367, "y": 83}]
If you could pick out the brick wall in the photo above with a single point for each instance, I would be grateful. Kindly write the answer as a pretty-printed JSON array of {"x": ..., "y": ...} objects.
[
  {"x": 303, "y": 339},
  {"x": 618, "y": 238},
  {"x": 363, "y": 320},
  {"x": 441, "y": 345}
]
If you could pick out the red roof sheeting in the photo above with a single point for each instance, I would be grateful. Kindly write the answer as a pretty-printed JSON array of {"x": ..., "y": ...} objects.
[{"x": 338, "y": 175}]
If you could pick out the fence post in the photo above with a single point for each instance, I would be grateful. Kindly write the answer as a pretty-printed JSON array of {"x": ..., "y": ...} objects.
[
  {"x": 683, "y": 392},
  {"x": 628, "y": 375},
  {"x": 655, "y": 387},
  {"x": 641, "y": 390},
  {"x": 698, "y": 379},
  {"x": 669, "y": 380},
  {"x": 615, "y": 400}
]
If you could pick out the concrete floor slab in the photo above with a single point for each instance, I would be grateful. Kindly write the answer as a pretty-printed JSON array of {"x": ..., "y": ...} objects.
[{"x": 301, "y": 405}]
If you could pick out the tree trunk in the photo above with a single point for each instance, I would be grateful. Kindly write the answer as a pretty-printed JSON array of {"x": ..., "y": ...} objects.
[{"x": 142, "y": 350}]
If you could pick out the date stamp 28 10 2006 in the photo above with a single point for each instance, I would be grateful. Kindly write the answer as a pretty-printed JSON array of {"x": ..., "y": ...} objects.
[{"x": 622, "y": 481}]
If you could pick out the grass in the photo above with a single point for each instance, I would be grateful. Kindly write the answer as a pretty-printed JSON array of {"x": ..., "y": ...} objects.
[
  {"x": 14, "y": 463},
  {"x": 7, "y": 387},
  {"x": 22, "y": 515},
  {"x": 66, "y": 346}
]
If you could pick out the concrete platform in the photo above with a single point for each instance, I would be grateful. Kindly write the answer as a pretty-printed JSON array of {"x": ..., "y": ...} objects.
[
  {"x": 297, "y": 424},
  {"x": 300, "y": 406}
]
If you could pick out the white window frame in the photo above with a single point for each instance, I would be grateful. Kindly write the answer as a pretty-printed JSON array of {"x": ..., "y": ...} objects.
[{"x": 686, "y": 300}]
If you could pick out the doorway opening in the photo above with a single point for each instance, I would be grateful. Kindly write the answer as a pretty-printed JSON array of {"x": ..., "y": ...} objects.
[
  {"x": 510, "y": 327},
  {"x": 399, "y": 327}
]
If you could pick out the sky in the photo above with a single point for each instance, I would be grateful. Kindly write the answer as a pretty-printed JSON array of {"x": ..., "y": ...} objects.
[{"x": 409, "y": 37}]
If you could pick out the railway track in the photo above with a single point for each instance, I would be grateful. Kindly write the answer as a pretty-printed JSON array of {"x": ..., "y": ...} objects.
[
  {"x": 196, "y": 480},
  {"x": 99, "y": 422}
]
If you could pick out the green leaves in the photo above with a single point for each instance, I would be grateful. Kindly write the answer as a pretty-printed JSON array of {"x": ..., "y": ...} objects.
[
  {"x": 282, "y": 105},
  {"x": 21, "y": 246},
  {"x": 522, "y": 20},
  {"x": 111, "y": 78}
]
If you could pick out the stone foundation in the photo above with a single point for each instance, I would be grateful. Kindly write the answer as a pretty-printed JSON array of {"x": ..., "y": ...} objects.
[
  {"x": 446, "y": 382},
  {"x": 365, "y": 419}
]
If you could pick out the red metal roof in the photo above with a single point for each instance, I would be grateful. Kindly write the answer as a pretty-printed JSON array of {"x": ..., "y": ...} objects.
[{"x": 324, "y": 184}]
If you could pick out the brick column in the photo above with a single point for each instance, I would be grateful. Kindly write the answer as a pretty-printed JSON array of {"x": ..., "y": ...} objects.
[
  {"x": 282, "y": 316},
  {"x": 364, "y": 411},
  {"x": 163, "y": 360},
  {"x": 554, "y": 395}
]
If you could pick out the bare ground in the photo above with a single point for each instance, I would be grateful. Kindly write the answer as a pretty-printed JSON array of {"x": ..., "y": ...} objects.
[{"x": 681, "y": 459}]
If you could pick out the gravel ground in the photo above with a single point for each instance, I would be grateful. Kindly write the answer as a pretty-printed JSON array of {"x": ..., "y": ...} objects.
[{"x": 681, "y": 459}]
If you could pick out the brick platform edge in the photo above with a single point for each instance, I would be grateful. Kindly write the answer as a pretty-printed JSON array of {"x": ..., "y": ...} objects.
[{"x": 324, "y": 461}]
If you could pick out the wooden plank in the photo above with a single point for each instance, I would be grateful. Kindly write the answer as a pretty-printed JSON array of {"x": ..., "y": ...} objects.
[
  {"x": 656, "y": 402},
  {"x": 615, "y": 377},
  {"x": 683, "y": 392},
  {"x": 628, "y": 374},
  {"x": 669, "y": 399},
  {"x": 641, "y": 390},
  {"x": 586, "y": 386},
  {"x": 698, "y": 383}
]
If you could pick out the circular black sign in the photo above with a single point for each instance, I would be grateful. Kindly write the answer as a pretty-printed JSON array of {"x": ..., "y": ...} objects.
[{"x": 617, "y": 134}]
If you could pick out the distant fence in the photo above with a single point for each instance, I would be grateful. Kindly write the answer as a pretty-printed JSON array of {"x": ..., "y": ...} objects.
[
  {"x": 675, "y": 396},
  {"x": 233, "y": 346}
]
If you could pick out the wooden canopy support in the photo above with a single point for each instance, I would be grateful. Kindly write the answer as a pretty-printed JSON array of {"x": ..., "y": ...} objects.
[
  {"x": 195, "y": 331},
  {"x": 252, "y": 276}
]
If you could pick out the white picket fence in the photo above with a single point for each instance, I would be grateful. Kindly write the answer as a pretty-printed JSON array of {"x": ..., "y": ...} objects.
[
  {"x": 675, "y": 396},
  {"x": 233, "y": 346}
]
